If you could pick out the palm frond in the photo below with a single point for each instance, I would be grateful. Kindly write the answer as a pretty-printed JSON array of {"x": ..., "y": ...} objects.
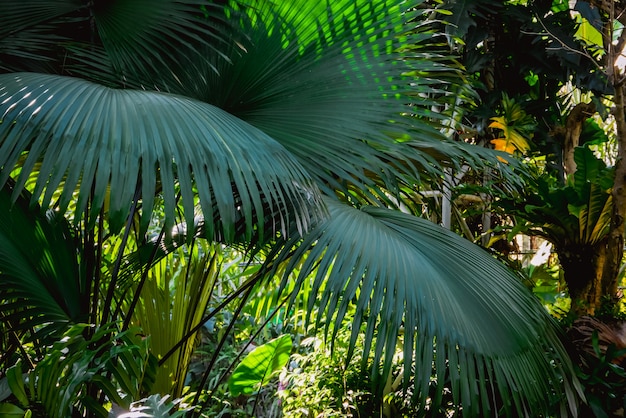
[
  {"x": 40, "y": 275},
  {"x": 33, "y": 30},
  {"x": 110, "y": 143},
  {"x": 144, "y": 37},
  {"x": 141, "y": 37},
  {"x": 463, "y": 315},
  {"x": 20, "y": 15},
  {"x": 323, "y": 79}
]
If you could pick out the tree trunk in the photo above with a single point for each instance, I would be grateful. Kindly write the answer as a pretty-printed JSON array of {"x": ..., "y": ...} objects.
[
  {"x": 573, "y": 129},
  {"x": 582, "y": 269},
  {"x": 615, "y": 243}
]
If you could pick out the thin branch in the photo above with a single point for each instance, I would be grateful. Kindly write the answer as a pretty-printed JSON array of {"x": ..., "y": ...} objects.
[
  {"x": 246, "y": 286},
  {"x": 142, "y": 281},
  {"x": 218, "y": 349},
  {"x": 563, "y": 44},
  {"x": 118, "y": 261},
  {"x": 253, "y": 337}
]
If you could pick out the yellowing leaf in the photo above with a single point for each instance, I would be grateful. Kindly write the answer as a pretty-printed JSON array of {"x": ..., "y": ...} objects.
[
  {"x": 503, "y": 145},
  {"x": 512, "y": 139}
]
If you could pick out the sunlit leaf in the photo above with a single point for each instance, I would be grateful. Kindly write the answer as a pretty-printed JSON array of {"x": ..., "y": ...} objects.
[{"x": 259, "y": 365}]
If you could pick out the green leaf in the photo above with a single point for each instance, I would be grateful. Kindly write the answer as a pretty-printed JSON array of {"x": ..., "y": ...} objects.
[
  {"x": 589, "y": 34},
  {"x": 588, "y": 166},
  {"x": 259, "y": 365},
  {"x": 592, "y": 133},
  {"x": 15, "y": 379},
  {"x": 8, "y": 410}
]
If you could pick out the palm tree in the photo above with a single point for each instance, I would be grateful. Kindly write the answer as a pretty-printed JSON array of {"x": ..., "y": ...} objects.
[{"x": 280, "y": 126}]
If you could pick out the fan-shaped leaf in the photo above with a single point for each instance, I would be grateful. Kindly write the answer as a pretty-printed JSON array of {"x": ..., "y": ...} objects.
[
  {"x": 323, "y": 79},
  {"x": 141, "y": 37},
  {"x": 107, "y": 143},
  {"x": 144, "y": 36},
  {"x": 453, "y": 301},
  {"x": 40, "y": 280}
]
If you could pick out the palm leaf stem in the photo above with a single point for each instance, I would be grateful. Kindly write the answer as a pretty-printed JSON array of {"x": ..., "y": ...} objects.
[
  {"x": 17, "y": 343},
  {"x": 142, "y": 281},
  {"x": 97, "y": 272},
  {"x": 118, "y": 260},
  {"x": 246, "y": 286},
  {"x": 218, "y": 350},
  {"x": 250, "y": 341}
]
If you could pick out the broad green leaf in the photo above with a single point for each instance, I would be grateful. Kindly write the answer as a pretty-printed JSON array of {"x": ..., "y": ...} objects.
[
  {"x": 589, "y": 34},
  {"x": 595, "y": 217},
  {"x": 588, "y": 166},
  {"x": 15, "y": 379},
  {"x": 8, "y": 410},
  {"x": 259, "y": 366},
  {"x": 592, "y": 133}
]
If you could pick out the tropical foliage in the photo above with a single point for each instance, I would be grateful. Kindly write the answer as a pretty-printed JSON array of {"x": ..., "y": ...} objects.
[{"x": 138, "y": 139}]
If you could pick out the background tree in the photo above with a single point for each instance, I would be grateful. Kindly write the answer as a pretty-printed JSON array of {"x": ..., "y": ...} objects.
[{"x": 535, "y": 53}]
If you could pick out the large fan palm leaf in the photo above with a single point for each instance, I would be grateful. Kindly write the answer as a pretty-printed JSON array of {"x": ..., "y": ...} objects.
[
  {"x": 462, "y": 313},
  {"x": 109, "y": 142},
  {"x": 139, "y": 36},
  {"x": 327, "y": 81}
]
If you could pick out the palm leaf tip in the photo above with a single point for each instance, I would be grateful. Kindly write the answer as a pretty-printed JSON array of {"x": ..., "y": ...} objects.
[
  {"x": 463, "y": 315},
  {"x": 137, "y": 141}
]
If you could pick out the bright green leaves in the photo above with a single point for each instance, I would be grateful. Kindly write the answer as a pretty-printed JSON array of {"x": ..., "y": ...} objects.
[
  {"x": 106, "y": 358},
  {"x": 593, "y": 182},
  {"x": 15, "y": 380},
  {"x": 590, "y": 27},
  {"x": 258, "y": 367},
  {"x": 578, "y": 213}
]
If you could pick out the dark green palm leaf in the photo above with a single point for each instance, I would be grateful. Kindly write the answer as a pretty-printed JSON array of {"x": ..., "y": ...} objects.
[
  {"x": 20, "y": 15},
  {"x": 461, "y": 312},
  {"x": 29, "y": 35},
  {"x": 141, "y": 37},
  {"x": 144, "y": 37},
  {"x": 40, "y": 280},
  {"x": 109, "y": 143}
]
